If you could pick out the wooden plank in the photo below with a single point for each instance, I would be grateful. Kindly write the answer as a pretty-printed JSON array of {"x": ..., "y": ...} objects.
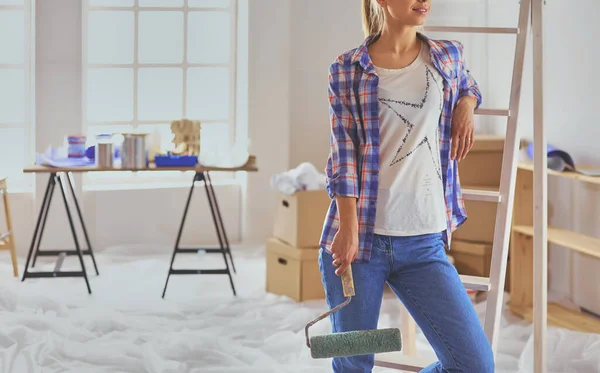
[
  {"x": 562, "y": 317},
  {"x": 523, "y": 206},
  {"x": 540, "y": 196},
  {"x": 481, "y": 194},
  {"x": 521, "y": 262},
  {"x": 568, "y": 239},
  {"x": 527, "y": 165},
  {"x": 493, "y": 112},
  {"x": 409, "y": 332},
  {"x": 396, "y": 360},
  {"x": 250, "y": 166},
  {"x": 504, "y": 212},
  {"x": 475, "y": 283}
]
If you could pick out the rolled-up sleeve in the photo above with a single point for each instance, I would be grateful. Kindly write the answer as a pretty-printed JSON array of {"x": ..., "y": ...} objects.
[
  {"x": 342, "y": 178},
  {"x": 467, "y": 85}
]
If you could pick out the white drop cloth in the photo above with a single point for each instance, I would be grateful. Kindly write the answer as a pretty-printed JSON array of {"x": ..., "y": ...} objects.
[{"x": 53, "y": 325}]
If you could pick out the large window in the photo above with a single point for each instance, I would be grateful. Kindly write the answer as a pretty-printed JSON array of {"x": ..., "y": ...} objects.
[
  {"x": 149, "y": 62},
  {"x": 16, "y": 134}
]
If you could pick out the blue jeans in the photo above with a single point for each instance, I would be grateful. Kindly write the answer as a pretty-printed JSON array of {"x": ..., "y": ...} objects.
[{"x": 428, "y": 285}]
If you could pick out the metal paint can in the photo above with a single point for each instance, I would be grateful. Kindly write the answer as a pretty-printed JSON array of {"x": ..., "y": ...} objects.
[
  {"x": 104, "y": 151},
  {"x": 133, "y": 151}
]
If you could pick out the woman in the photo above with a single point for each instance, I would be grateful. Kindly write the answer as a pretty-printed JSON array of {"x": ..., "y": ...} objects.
[{"x": 401, "y": 108}]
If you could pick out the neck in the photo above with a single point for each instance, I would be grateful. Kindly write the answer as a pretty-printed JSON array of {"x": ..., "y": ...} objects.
[{"x": 398, "y": 39}]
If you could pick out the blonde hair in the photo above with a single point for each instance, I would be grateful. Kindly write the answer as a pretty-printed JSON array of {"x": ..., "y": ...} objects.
[{"x": 372, "y": 17}]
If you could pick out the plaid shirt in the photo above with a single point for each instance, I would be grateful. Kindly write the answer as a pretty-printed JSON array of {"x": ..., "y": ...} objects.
[{"x": 353, "y": 164}]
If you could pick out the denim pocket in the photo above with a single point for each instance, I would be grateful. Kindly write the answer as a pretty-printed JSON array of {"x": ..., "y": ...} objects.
[{"x": 379, "y": 243}]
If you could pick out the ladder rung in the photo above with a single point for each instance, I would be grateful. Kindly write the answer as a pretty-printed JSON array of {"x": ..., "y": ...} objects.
[
  {"x": 493, "y": 112},
  {"x": 397, "y": 360},
  {"x": 477, "y": 30},
  {"x": 476, "y": 283},
  {"x": 481, "y": 195}
]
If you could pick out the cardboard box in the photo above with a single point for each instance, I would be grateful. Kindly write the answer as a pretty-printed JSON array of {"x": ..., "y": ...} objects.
[
  {"x": 483, "y": 164},
  {"x": 480, "y": 224},
  {"x": 475, "y": 259},
  {"x": 299, "y": 218},
  {"x": 293, "y": 272},
  {"x": 470, "y": 258}
]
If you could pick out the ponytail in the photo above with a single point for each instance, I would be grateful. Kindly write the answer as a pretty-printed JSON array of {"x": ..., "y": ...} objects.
[{"x": 372, "y": 16}]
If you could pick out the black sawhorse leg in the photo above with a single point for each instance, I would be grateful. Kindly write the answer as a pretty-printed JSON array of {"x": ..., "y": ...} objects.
[
  {"x": 220, "y": 230},
  {"x": 55, "y": 178},
  {"x": 220, "y": 221},
  {"x": 89, "y": 252}
]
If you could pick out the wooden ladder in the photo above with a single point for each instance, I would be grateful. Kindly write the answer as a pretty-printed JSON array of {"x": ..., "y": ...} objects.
[
  {"x": 494, "y": 284},
  {"x": 7, "y": 241}
]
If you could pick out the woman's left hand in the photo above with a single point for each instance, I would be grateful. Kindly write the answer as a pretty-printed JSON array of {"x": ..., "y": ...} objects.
[{"x": 462, "y": 128}]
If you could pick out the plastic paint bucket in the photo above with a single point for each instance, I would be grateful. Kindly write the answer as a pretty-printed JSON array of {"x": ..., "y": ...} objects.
[{"x": 77, "y": 146}]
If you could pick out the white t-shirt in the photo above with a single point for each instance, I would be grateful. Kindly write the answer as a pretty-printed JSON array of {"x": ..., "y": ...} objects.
[{"x": 410, "y": 200}]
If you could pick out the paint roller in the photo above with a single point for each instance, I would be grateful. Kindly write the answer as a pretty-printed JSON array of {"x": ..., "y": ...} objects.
[{"x": 352, "y": 343}]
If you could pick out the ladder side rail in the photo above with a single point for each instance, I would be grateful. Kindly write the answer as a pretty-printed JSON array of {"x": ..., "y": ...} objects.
[{"x": 504, "y": 212}]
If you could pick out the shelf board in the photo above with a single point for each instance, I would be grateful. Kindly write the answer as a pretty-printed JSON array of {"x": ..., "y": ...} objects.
[
  {"x": 562, "y": 317},
  {"x": 568, "y": 174},
  {"x": 575, "y": 241}
]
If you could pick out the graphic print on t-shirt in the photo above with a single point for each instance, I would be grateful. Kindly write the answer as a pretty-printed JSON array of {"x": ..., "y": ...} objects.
[
  {"x": 403, "y": 151},
  {"x": 410, "y": 195}
]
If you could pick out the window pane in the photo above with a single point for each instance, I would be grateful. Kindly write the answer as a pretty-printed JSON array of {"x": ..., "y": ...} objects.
[
  {"x": 12, "y": 37},
  {"x": 209, "y": 37},
  {"x": 161, "y": 37},
  {"x": 111, "y": 2},
  {"x": 214, "y": 142},
  {"x": 12, "y": 95},
  {"x": 12, "y": 154},
  {"x": 160, "y": 94},
  {"x": 110, "y": 94},
  {"x": 165, "y": 3},
  {"x": 164, "y": 131},
  {"x": 209, "y": 3},
  {"x": 110, "y": 37},
  {"x": 208, "y": 93}
]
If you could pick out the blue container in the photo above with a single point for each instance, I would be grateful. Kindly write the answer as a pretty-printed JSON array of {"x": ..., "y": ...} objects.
[
  {"x": 175, "y": 160},
  {"x": 77, "y": 146}
]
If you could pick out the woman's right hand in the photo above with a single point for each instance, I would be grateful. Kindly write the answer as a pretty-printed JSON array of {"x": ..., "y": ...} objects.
[{"x": 344, "y": 248}]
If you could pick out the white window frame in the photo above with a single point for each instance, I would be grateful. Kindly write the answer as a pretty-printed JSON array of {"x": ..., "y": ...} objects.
[
  {"x": 177, "y": 179},
  {"x": 28, "y": 123}
]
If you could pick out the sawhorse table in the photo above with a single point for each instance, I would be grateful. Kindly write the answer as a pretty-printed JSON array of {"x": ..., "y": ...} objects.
[{"x": 63, "y": 177}]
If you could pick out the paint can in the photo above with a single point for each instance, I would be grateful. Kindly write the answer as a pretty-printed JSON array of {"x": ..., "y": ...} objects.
[
  {"x": 104, "y": 151},
  {"x": 133, "y": 152},
  {"x": 76, "y": 146}
]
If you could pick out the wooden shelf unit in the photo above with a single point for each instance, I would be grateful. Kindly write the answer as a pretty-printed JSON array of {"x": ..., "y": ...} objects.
[{"x": 522, "y": 256}]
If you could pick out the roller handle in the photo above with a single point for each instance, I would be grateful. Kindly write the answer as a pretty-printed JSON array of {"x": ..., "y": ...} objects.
[{"x": 348, "y": 282}]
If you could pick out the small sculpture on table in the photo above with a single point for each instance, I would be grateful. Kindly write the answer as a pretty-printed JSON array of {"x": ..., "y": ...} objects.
[{"x": 186, "y": 137}]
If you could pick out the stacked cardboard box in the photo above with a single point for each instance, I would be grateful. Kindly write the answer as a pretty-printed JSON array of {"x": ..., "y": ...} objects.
[
  {"x": 293, "y": 251},
  {"x": 472, "y": 242}
]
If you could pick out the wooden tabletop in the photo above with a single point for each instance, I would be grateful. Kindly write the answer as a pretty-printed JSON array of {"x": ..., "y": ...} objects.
[{"x": 250, "y": 166}]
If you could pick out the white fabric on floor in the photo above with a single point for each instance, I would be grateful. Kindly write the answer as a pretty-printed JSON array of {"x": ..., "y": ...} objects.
[{"x": 53, "y": 325}]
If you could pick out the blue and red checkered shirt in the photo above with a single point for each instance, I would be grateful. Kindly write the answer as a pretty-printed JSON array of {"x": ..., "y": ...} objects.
[{"x": 353, "y": 164}]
